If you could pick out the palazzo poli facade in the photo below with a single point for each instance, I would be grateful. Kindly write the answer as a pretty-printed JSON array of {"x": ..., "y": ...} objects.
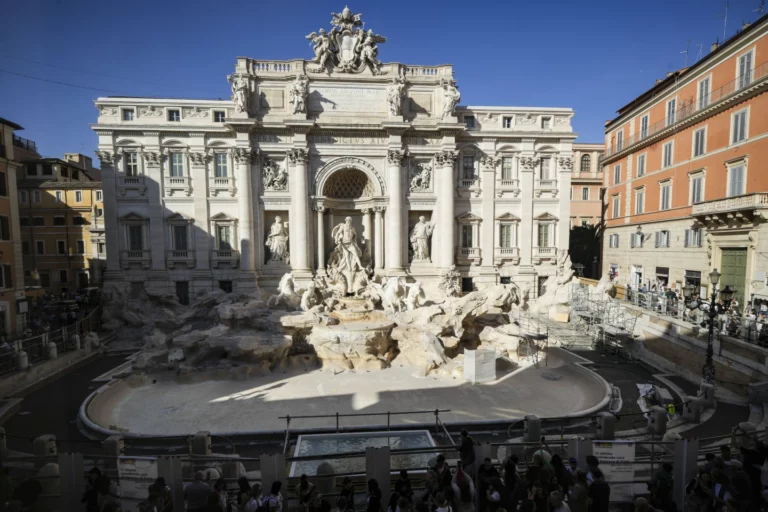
[{"x": 204, "y": 194}]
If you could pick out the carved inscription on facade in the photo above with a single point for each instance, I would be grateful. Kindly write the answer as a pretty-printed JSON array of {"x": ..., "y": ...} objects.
[
  {"x": 341, "y": 139},
  {"x": 347, "y": 99}
]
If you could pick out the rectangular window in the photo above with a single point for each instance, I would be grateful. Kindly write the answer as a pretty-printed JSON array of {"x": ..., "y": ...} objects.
[
  {"x": 23, "y": 196},
  {"x": 739, "y": 127},
  {"x": 180, "y": 238},
  {"x": 3, "y": 185},
  {"x": 35, "y": 196},
  {"x": 639, "y": 201},
  {"x": 546, "y": 168},
  {"x": 585, "y": 193},
  {"x": 24, "y": 221},
  {"x": 699, "y": 142},
  {"x": 644, "y": 126},
  {"x": 221, "y": 165},
  {"x": 24, "y": 247},
  {"x": 63, "y": 276},
  {"x": 544, "y": 235},
  {"x": 99, "y": 212},
  {"x": 613, "y": 241},
  {"x": 662, "y": 238},
  {"x": 99, "y": 196},
  {"x": 64, "y": 172},
  {"x": 467, "y": 239},
  {"x": 59, "y": 221},
  {"x": 174, "y": 115},
  {"x": 667, "y": 155},
  {"x": 5, "y": 228},
  {"x": 745, "y": 70},
  {"x": 616, "y": 174},
  {"x": 58, "y": 196},
  {"x": 619, "y": 140},
  {"x": 225, "y": 286},
  {"x": 736, "y": 176},
  {"x": 507, "y": 168},
  {"x": 102, "y": 247},
  {"x": 697, "y": 189},
  {"x": 38, "y": 221},
  {"x": 546, "y": 123},
  {"x": 505, "y": 236},
  {"x": 78, "y": 220},
  {"x": 31, "y": 169},
  {"x": 640, "y": 165},
  {"x": 177, "y": 164},
  {"x": 615, "y": 207},
  {"x": 671, "y": 111},
  {"x": 636, "y": 240},
  {"x": 135, "y": 238},
  {"x": 469, "y": 121},
  {"x": 61, "y": 247},
  {"x": 693, "y": 237},
  {"x": 7, "y": 278},
  {"x": 75, "y": 175},
  {"x": 219, "y": 116},
  {"x": 78, "y": 196},
  {"x": 224, "y": 238},
  {"x": 507, "y": 122},
  {"x": 39, "y": 247},
  {"x": 131, "y": 164},
  {"x": 666, "y": 196},
  {"x": 468, "y": 167},
  {"x": 129, "y": 114},
  {"x": 80, "y": 246},
  {"x": 704, "y": 93},
  {"x": 45, "y": 279},
  {"x": 47, "y": 170}
]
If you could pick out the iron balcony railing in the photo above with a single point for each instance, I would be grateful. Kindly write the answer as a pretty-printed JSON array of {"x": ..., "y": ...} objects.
[
  {"x": 21, "y": 142},
  {"x": 691, "y": 107}
]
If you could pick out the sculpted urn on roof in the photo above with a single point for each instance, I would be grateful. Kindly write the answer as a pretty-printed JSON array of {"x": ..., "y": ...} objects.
[{"x": 347, "y": 48}]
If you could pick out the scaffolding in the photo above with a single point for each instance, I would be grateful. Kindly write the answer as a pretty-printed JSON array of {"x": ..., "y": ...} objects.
[{"x": 608, "y": 322}]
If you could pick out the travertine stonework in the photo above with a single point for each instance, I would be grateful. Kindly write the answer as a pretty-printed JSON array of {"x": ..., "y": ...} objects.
[{"x": 193, "y": 188}]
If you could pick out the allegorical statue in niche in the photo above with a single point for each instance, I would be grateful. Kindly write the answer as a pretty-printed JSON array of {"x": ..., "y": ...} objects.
[
  {"x": 420, "y": 177},
  {"x": 346, "y": 257},
  {"x": 420, "y": 239},
  {"x": 395, "y": 93},
  {"x": 298, "y": 94},
  {"x": 239, "y": 93},
  {"x": 451, "y": 97},
  {"x": 277, "y": 241},
  {"x": 275, "y": 176}
]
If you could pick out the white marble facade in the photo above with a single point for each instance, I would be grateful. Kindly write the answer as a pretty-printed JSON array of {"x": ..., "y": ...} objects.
[{"x": 193, "y": 187}]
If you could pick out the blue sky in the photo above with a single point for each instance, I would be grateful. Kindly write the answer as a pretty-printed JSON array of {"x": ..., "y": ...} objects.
[{"x": 593, "y": 56}]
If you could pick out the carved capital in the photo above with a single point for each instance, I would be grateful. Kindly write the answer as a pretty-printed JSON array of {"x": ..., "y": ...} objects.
[
  {"x": 298, "y": 156},
  {"x": 446, "y": 158},
  {"x": 197, "y": 158},
  {"x": 395, "y": 156},
  {"x": 107, "y": 157},
  {"x": 366, "y": 211},
  {"x": 320, "y": 209},
  {"x": 490, "y": 162},
  {"x": 529, "y": 163},
  {"x": 566, "y": 163},
  {"x": 380, "y": 209},
  {"x": 242, "y": 155},
  {"x": 151, "y": 158}
]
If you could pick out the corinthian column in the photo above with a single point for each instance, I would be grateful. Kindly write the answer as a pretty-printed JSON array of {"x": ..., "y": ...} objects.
[
  {"x": 395, "y": 214},
  {"x": 298, "y": 233},
  {"x": 378, "y": 243},
  {"x": 243, "y": 158},
  {"x": 320, "y": 239},
  {"x": 445, "y": 220},
  {"x": 109, "y": 168},
  {"x": 367, "y": 231}
]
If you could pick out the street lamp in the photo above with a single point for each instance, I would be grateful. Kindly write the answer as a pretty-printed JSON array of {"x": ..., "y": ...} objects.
[{"x": 708, "y": 371}]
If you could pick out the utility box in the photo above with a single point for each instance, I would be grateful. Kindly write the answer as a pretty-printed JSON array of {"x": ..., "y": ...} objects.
[
  {"x": 657, "y": 420},
  {"x": 532, "y": 429},
  {"x": 479, "y": 365},
  {"x": 606, "y": 425},
  {"x": 200, "y": 444}
]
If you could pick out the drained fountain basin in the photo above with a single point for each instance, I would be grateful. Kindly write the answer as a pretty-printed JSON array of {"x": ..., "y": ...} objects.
[{"x": 329, "y": 444}]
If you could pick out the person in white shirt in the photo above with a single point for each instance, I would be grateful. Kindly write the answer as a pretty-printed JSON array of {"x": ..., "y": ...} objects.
[
  {"x": 556, "y": 502},
  {"x": 256, "y": 499}
]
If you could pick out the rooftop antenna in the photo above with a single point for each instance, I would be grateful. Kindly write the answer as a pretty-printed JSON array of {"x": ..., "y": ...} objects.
[
  {"x": 698, "y": 55},
  {"x": 725, "y": 18},
  {"x": 760, "y": 10},
  {"x": 687, "y": 47}
]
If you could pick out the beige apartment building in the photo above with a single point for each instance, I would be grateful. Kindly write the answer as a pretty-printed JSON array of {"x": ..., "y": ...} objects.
[{"x": 587, "y": 184}]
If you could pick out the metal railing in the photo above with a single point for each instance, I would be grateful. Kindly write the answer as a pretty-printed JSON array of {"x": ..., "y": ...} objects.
[
  {"x": 691, "y": 107},
  {"x": 21, "y": 142},
  {"x": 744, "y": 202}
]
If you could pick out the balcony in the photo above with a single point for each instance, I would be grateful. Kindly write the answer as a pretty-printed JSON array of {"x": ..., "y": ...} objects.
[
  {"x": 468, "y": 255},
  {"x": 135, "y": 257},
  {"x": 507, "y": 185},
  {"x": 127, "y": 184},
  {"x": 26, "y": 144},
  {"x": 504, "y": 254},
  {"x": 688, "y": 109},
  {"x": 544, "y": 253},
  {"x": 177, "y": 184},
  {"x": 175, "y": 257},
  {"x": 218, "y": 185},
  {"x": 549, "y": 186},
  {"x": 97, "y": 224},
  {"x": 731, "y": 209},
  {"x": 226, "y": 256}
]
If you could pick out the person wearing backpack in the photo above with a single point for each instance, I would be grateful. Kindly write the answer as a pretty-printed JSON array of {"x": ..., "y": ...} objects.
[
  {"x": 256, "y": 502},
  {"x": 274, "y": 502}
]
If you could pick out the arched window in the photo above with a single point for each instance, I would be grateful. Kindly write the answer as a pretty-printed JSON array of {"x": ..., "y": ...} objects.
[{"x": 586, "y": 163}]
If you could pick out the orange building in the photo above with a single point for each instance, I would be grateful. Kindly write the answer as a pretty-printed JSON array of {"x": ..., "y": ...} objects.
[
  {"x": 586, "y": 184},
  {"x": 13, "y": 305},
  {"x": 685, "y": 174}
]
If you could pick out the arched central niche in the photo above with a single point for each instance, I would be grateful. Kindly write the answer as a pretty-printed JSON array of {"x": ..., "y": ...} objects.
[{"x": 348, "y": 184}]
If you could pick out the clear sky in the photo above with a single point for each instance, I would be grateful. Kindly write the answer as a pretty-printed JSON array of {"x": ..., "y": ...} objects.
[{"x": 593, "y": 56}]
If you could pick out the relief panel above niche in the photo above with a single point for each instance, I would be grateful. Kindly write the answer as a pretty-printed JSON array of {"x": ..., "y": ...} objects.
[
  {"x": 272, "y": 99},
  {"x": 420, "y": 103}
]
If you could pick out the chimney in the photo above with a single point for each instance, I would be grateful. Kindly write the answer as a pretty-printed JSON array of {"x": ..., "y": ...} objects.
[
  {"x": 658, "y": 81},
  {"x": 714, "y": 46}
]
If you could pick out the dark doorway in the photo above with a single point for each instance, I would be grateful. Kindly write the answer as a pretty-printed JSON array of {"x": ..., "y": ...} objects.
[
  {"x": 226, "y": 286},
  {"x": 467, "y": 285},
  {"x": 182, "y": 292}
]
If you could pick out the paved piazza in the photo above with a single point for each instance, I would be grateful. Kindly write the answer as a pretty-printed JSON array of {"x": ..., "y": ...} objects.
[{"x": 170, "y": 408}]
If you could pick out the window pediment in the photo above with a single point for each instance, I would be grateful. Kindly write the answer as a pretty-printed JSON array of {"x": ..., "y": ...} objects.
[
  {"x": 133, "y": 216},
  {"x": 507, "y": 217},
  {"x": 223, "y": 217},
  {"x": 546, "y": 216},
  {"x": 468, "y": 218},
  {"x": 179, "y": 218}
]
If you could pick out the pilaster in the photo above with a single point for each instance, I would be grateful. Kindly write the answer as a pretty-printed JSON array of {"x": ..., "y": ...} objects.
[
  {"x": 446, "y": 223},
  {"x": 565, "y": 165},
  {"x": 154, "y": 182},
  {"x": 488, "y": 167},
  {"x": 298, "y": 232},
  {"x": 395, "y": 212},
  {"x": 109, "y": 162}
]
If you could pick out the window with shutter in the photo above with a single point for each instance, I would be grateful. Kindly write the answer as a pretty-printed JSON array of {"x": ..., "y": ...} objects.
[
  {"x": 7, "y": 276},
  {"x": 641, "y": 165},
  {"x": 703, "y": 93},
  {"x": 135, "y": 238},
  {"x": 5, "y": 228},
  {"x": 180, "y": 237},
  {"x": 671, "y": 111},
  {"x": 745, "y": 70},
  {"x": 736, "y": 181}
]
